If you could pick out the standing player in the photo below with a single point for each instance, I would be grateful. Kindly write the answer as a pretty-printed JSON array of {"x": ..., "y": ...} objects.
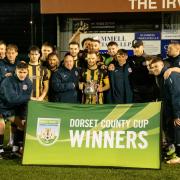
[
  {"x": 46, "y": 49},
  {"x": 93, "y": 81},
  {"x": 8, "y": 64},
  {"x": 171, "y": 121},
  {"x": 7, "y": 69},
  {"x": 121, "y": 91},
  {"x": 142, "y": 82},
  {"x": 2, "y": 49},
  {"x": 38, "y": 75},
  {"x": 15, "y": 91},
  {"x": 64, "y": 82},
  {"x": 53, "y": 66},
  {"x": 173, "y": 59}
]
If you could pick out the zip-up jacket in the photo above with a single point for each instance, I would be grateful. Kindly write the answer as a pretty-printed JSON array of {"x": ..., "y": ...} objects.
[
  {"x": 172, "y": 95},
  {"x": 121, "y": 91},
  {"x": 174, "y": 61},
  {"x": 14, "y": 92},
  {"x": 6, "y": 67},
  {"x": 64, "y": 84},
  {"x": 143, "y": 84}
]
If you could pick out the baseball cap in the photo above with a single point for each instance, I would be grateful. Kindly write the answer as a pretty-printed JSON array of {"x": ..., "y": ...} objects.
[{"x": 137, "y": 43}]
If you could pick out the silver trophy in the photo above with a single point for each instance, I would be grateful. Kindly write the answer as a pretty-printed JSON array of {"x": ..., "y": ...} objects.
[{"x": 90, "y": 87}]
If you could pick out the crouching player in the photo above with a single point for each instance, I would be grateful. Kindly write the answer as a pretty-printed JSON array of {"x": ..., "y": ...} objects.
[{"x": 15, "y": 91}]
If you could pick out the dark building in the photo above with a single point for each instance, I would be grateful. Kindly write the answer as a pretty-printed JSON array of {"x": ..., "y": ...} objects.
[{"x": 22, "y": 24}]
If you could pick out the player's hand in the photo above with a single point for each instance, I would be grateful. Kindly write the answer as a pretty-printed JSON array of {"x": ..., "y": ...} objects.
[
  {"x": 100, "y": 88},
  {"x": 177, "y": 122},
  {"x": 167, "y": 73},
  {"x": 83, "y": 28},
  {"x": 103, "y": 66},
  {"x": 81, "y": 85},
  {"x": 8, "y": 74},
  {"x": 23, "y": 122},
  {"x": 33, "y": 98},
  {"x": 40, "y": 98},
  {"x": 111, "y": 67}
]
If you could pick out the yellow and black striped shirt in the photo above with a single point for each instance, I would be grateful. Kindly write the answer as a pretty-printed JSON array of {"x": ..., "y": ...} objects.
[
  {"x": 99, "y": 76},
  {"x": 37, "y": 74}
]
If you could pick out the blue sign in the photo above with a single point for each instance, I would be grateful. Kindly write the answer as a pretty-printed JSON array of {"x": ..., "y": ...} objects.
[
  {"x": 164, "y": 46},
  {"x": 148, "y": 35}
]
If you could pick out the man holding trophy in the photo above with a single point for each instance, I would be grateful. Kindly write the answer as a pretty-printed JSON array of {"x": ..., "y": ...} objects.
[{"x": 93, "y": 81}]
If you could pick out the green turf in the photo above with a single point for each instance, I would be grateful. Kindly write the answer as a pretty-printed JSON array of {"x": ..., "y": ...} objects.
[{"x": 12, "y": 170}]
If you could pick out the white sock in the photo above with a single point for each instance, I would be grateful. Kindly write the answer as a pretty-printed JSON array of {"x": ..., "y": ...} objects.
[
  {"x": 15, "y": 148},
  {"x": 1, "y": 150}
]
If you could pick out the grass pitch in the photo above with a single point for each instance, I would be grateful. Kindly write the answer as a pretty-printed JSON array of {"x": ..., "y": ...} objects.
[{"x": 12, "y": 170}]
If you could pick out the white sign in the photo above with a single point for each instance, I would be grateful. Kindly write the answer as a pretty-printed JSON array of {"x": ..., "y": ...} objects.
[
  {"x": 152, "y": 47},
  {"x": 171, "y": 35},
  {"x": 124, "y": 40},
  {"x": 153, "y": 4},
  {"x": 171, "y": 26}
]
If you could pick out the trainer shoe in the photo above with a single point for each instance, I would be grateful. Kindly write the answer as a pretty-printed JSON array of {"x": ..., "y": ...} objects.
[
  {"x": 16, "y": 155},
  {"x": 5, "y": 155},
  {"x": 175, "y": 160},
  {"x": 7, "y": 148},
  {"x": 171, "y": 150}
]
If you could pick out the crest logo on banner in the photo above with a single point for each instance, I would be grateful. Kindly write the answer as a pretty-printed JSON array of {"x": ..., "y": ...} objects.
[{"x": 48, "y": 130}]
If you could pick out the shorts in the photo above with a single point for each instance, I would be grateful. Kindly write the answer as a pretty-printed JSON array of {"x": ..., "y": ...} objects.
[
  {"x": 7, "y": 114},
  {"x": 21, "y": 111}
]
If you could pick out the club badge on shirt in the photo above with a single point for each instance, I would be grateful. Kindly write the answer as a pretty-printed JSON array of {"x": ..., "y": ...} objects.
[
  {"x": 129, "y": 70},
  {"x": 76, "y": 73},
  {"x": 144, "y": 63},
  {"x": 25, "y": 87}
]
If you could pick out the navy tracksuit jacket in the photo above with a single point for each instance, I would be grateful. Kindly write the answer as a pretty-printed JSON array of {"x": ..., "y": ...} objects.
[
  {"x": 14, "y": 93},
  {"x": 6, "y": 67},
  {"x": 121, "y": 92},
  {"x": 64, "y": 85}
]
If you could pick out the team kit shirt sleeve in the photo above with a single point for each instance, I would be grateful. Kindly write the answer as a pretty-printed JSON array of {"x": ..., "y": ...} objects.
[
  {"x": 46, "y": 74},
  {"x": 39, "y": 77}
]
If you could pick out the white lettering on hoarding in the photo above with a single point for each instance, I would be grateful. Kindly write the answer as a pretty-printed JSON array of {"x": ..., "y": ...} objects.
[
  {"x": 108, "y": 139},
  {"x": 144, "y": 143},
  {"x": 172, "y": 4},
  {"x": 120, "y": 139},
  {"x": 143, "y": 4},
  {"x": 108, "y": 123},
  {"x": 105, "y": 139},
  {"x": 152, "y": 4},
  {"x": 76, "y": 138},
  {"x": 97, "y": 139},
  {"x": 117, "y": 137},
  {"x": 132, "y": 4}
]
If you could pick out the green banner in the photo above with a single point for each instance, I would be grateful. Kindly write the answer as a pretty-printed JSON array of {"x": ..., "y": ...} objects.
[{"x": 125, "y": 135}]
